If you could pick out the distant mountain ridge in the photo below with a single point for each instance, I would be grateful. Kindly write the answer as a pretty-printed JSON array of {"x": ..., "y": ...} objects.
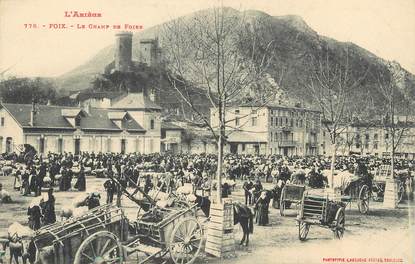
[{"x": 293, "y": 38}]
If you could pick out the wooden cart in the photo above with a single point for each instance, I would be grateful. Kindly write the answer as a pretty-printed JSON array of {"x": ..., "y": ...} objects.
[
  {"x": 174, "y": 230},
  {"x": 97, "y": 235},
  {"x": 291, "y": 193},
  {"x": 319, "y": 210},
  {"x": 379, "y": 183},
  {"x": 105, "y": 235},
  {"x": 358, "y": 191},
  {"x": 178, "y": 233}
]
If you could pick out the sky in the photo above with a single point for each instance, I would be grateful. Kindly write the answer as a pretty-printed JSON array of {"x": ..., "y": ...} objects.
[{"x": 384, "y": 27}]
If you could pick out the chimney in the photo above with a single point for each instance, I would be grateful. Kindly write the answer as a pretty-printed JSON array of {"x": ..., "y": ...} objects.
[
  {"x": 87, "y": 108},
  {"x": 152, "y": 95},
  {"x": 32, "y": 114}
]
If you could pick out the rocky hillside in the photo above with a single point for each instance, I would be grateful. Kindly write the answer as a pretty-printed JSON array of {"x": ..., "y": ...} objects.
[{"x": 294, "y": 43}]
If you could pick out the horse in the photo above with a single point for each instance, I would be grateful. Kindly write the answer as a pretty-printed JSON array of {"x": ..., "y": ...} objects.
[{"x": 242, "y": 214}]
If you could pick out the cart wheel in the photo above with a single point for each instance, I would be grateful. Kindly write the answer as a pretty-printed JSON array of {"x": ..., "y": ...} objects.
[
  {"x": 364, "y": 197},
  {"x": 340, "y": 219},
  {"x": 303, "y": 229},
  {"x": 186, "y": 241},
  {"x": 401, "y": 191},
  {"x": 100, "y": 247},
  {"x": 282, "y": 202}
]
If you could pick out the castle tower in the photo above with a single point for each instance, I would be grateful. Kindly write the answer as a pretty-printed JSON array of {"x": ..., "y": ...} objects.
[
  {"x": 123, "y": 50},
  {"x": 149, "y": 52}
]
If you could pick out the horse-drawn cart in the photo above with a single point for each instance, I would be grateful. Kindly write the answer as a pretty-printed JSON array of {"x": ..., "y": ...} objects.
[
  {"x": 402, "y": 179},
  {"x": 321, "y": 211},
  {"x": 170, "y": 231},
  {"x": 96, "y": 235},
  {"x": 105, "y": 235},
  {"x": 291, "y": 193},
  {"x": 359, "y": 191}
]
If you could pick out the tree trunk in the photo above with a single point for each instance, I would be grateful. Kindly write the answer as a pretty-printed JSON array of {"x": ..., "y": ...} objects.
[
  {"x": 392, "y": 153},
  {"x": 219, "y": 172},
  {"x": 221, "y": 115},
  {"x": 332, "y": 165}
]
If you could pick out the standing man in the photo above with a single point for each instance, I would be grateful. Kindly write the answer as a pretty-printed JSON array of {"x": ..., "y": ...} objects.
[
  {"x": 110, "y": 188},
  {"x": 247, "y": 186},
  {"x": 257, "y": 190},
  {"x": 81, "y": 182}
]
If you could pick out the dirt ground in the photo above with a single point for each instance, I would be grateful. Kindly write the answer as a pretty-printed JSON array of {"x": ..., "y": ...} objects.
[{"x": 381, "y": 236}]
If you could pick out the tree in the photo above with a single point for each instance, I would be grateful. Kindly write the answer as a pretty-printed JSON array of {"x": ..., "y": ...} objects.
[
  {"x": 204, "y": 51},
  {"x": 25, "y": 90},
  {"x": 392, "y": 86},
  {"x": 331, "y": 84}
]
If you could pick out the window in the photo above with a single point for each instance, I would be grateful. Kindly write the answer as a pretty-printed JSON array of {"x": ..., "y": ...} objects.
[
  {"x": 367, "y": 136},
  {"x": 272, "y": 121},
  {"x": 276, "y": 137},
  {"x": 109, "y": 145},
  {"x": 152, "y": 124},
  {"x": 386, "y": 136},
  {"x": 286, "y": 121},
  {"x": 237, "y": 111},
  {"x": 270, "y": 137},
  {"x": 357, "y": 145},
  {"x": 2, "y": 121},
  {"x": 243, "y": 146},
  {"x": 375, "y": 136},
  {"x": 42, "y": 145},
  {"x": 254, "y": 121},
  {"x": 60, "y": 145},
  {"x": 237, "y": 121},
  {"x": 375, "y": 145},
  {"x": 254, "y": 112},
  {"x": 291, "y": 122}
]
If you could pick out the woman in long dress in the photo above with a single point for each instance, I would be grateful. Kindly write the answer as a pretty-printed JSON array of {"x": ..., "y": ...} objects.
[{"x": 261, "y": 208}]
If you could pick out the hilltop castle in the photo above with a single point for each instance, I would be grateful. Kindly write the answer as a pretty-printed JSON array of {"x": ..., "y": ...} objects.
[{"x": 149, "y": 53}]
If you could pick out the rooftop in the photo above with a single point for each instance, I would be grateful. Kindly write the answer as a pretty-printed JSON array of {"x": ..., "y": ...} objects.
[
  {"x": 135, "y": 101},
  {"x": 54, "y": 117}
]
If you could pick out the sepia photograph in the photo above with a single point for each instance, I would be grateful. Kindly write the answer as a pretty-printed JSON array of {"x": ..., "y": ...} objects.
[{"x": 207, "y": 132}]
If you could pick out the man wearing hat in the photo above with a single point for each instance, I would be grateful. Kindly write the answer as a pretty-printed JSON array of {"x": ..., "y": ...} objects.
[
  {"x": 257, "y": 190},
  {"x": 247, "y": 186}
]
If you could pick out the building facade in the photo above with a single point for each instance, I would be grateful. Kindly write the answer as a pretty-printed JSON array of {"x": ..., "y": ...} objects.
[
  {"x": 133, "y": 124},
  {"x": 271, "y": 129},
  {"x": 371, "y": 140}
]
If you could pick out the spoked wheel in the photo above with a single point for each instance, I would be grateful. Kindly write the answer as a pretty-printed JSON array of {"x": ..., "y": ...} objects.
[
  {"x": 401, "y": 191},
  {"x": 303, "y": 229},
  {"x": 282, "y": 202},
  {"x": 340, "y": 219},
  {"x": 364, "y": 197},
  {"x": 186, "y": 241},
  {"x": 99, "y": 248}
]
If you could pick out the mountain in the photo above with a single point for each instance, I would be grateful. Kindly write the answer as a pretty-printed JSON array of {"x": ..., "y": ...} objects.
[{"x": 294, "y": 43}]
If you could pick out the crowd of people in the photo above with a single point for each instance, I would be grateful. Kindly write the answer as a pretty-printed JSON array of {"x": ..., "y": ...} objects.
[
  {"x": 42, "y": 175},
  {"x": 47, "y": 171}
]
